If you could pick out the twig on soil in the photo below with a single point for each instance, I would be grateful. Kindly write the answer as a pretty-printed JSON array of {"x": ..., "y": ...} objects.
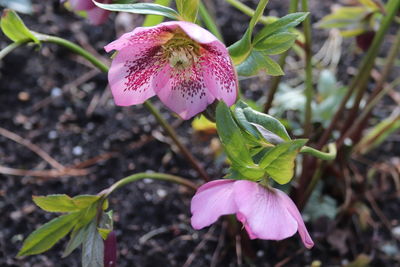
[
  {"x": 220, "y": 245},
  {"x": 34, "y": 148},
  {"x": 43, "y": 173},
  {"x": 380, "y": 213},
  {"x": 199, "y": 247},
  {"x": 239, "y": 256},
  {"x": 289, "y": 258}
]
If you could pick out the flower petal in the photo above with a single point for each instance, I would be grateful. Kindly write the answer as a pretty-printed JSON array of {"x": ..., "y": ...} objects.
[
  {"x": 141, "y": 36},
  {"x": 262, "y": 212},
  {"x": 97, "y": 15},
  {"x": 219, "y": 73},
  {"x": 211, "y": 201},
  {"x": 131, "y": 74},
  {"x": 291, "y": 207},
  {"x": 81, "y": 4},
  {"x": 184, "y": 92},
  {"x": 194, "y": 31}
]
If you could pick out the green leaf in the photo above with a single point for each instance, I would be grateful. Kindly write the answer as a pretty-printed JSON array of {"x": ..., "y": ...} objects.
[
  {"x": 14, "y": 28},
  {"x": 233, "y": 142},
  {"x": 256, "y": 62},
  {"x": 104, "y": 232},
  {"x": 84, "y": 201},
  {"x": 93, "y": 247},
  {"x": 87, "y": 215},
  {"x": 188, "y": 9},
  {"x": 55, "y": 203},
  {"x": 268, "y": 135},
  {"x": 268, "y": 122},
  {"x": 240, "y": 50},
  {"x": 152, "y": 20},
  {"x": 276, "y": 43},
  {"x": 282, "y": 24},
  {"x": 47, "y": 235},
  {"x": 279, "y": 161},
  {"x": 75, "y": 241},
  {"x": 141, "y": 8}
]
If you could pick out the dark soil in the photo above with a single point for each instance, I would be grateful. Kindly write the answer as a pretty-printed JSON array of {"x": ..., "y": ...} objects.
[{"x": 66, "y": 109}]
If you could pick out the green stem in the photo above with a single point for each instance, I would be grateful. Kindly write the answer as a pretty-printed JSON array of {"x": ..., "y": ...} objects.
[
  {"x": 308, "y": 81},
  {"x": 74, "y": 48},
  {"x": 209, "y": 21},
  {"x": 331, "y": 155},
  {"x": 143, "y": 175},
  {"x": 249, "y": 11},
  {"x": 8, "y": 49},
  {"x": 276, "y": 80},
  {"x": 379, "y": 91},
  {"x": 361, "y": 79},
  {"x": 100, "y": 65}
]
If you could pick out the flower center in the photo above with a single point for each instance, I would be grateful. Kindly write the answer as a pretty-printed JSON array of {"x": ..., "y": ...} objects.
[{"x": 181, "y": 51}]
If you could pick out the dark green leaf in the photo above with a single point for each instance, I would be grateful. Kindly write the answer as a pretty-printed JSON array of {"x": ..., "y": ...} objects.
[
  {"x": 276, "y": 43},
  {"x": 188, "y": 9},
  {"x": 142, "y": 8},
  {"x": 268, "y": 122},
  {"x": 268, "y": 135},
  {"x": 93, "y": 247},
  {"x": 233, "y": 142},
  {"x": 48, "y": 234},
  {"x": 240, "y": 50},
  {"x": 14, "y": 28},
  {"x": 256, "y": 62},
  {"x": 282, "y": 24},
  {"x": 279, "y": 161}
]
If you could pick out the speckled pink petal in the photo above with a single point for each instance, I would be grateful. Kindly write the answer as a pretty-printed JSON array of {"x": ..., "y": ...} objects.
[
  {"x": 219, "y": 74},
  {"x": 184, "y": 93},
  {"x": 131, "y": 74},
  {"x": 211, "y": 201},
  {"x": 291, "y": 207},
  {"x": 147, "y": 36},
  {"x": 263, "y": 212}
]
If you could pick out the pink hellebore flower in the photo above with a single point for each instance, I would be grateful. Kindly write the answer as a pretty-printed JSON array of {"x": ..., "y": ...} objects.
[
  {"x": 265, "y": 213},
  {"x": 95, "y": 14},
  {"x": 183, "y": 64}
]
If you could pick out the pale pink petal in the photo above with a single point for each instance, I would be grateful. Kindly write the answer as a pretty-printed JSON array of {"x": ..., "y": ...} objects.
[
  {"x": 152, "y": 36},
  {"x": 219, "y": 74},
  {"x": 194, "y": 31},
  {"x": 184, "y": 92},
  {"x": 291, "y": 207},
  {"x": 131, "y": 74},
  {"x": 97, "y": 15},
  {"x": 262, "y": 212},
  {"x": 211, "y": 201}
]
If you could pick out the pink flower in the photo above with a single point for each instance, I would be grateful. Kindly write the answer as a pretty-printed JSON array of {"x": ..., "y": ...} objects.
[
  {"x": 95, "y": 14},
  {"x": 265, "y": 213},
  {"x": 183, "y": 64}
]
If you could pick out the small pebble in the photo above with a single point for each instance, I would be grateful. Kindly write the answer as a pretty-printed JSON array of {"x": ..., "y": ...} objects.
[
  {"x": 52, "y": 135},
  {"x": 24, "y": 96},
  {"x": 161, "y": 193},
  {"x": 56, "y": 92},
  {"x": 77, "y": 151}
]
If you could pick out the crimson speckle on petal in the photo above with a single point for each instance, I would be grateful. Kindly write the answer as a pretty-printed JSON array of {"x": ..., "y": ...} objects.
[{"x": 183, "y": 64}]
